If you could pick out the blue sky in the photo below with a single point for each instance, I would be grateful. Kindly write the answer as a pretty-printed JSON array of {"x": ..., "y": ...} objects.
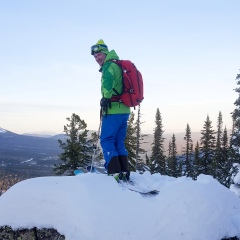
[{"x": 188, "y": 53}]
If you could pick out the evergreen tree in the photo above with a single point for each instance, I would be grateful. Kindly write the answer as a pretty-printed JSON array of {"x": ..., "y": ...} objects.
[
  {"x": 217, "y": 162},
  {"x": 225, "y": 144},
  {"x": 226, "y": 165},
  {"x": 188, "y": 153},
  {"x": 235, "y": 138},
  {"x": 77, "y": 149},
  {"x": 220, "y": 165},
  {"x": 157, "y": 158},
  {"x": 140, "y": 166},
  {"x": 131, "y": 142},
  {"x": 207, "y": 147},
  {"x": 197, "y": 162},
  {"x": 168, "y": 159},
  {"x": 147, "y": 166},
  {"x": 173, "y": 169}
]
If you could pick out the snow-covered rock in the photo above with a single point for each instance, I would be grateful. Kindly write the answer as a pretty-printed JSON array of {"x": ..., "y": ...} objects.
[{"x": 94, "y": 206}]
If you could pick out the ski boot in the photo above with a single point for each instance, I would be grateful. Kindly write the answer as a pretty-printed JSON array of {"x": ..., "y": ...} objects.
[{"x": 124, "y": 176}]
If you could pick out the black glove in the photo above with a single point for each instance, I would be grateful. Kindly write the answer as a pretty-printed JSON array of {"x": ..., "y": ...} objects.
[{"x": 105, "y": 103}]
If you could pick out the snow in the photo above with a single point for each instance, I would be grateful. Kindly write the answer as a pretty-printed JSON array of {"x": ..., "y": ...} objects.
[
  {"x": 29, "y": 160},
  {"x": 236, "y": 181},
  {"x": 2, "y": 130},
  {"x": 93, "y": 206}
]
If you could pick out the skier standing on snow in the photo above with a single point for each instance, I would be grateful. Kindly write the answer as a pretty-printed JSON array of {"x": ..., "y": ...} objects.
[{"x": 114, "y": 114}]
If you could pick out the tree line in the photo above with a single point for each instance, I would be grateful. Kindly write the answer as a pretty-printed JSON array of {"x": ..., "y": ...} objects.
[
  {"x": 211, "y": 155},
  {"x": 214, "y": 154}
]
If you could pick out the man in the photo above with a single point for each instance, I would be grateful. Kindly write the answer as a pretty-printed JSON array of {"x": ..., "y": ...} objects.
[{"x": 114, "y": 114}]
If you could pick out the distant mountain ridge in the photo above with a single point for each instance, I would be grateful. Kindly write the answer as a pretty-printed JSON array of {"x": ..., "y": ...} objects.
[
  {"x": 45, "y": 134},
  {"x": 27, "y": 153},
  {"x": 37, "y": 155}
]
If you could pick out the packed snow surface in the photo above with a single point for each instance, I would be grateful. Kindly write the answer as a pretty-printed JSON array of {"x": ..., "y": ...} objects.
[{"x": 94, "y": 206}]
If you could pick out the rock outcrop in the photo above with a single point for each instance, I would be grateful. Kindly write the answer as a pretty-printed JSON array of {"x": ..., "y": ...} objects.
[{"x": 7, "y": 233}]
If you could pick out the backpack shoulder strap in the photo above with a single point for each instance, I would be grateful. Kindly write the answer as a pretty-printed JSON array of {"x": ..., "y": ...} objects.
[{"x": 119, "y": 64}]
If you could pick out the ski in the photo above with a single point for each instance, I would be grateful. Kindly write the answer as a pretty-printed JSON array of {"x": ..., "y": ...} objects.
[
  {"x": 150, "y": 192},
  {"x": 127, "y": 185},
  {"x": 133, "y": 187}
]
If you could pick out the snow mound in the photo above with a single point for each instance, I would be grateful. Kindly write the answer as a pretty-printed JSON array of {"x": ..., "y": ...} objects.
[{"x": 93, "y": 206}]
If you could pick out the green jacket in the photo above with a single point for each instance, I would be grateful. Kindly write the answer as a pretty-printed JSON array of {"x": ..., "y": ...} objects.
[{"x": 112, "y": 78}]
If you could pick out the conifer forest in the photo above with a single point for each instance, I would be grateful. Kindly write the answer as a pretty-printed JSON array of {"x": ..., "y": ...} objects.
[{"x": 216, "y": 153}]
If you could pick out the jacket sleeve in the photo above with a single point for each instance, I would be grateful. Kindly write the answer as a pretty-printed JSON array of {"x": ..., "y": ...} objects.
[{"x": 108, "y": 80}]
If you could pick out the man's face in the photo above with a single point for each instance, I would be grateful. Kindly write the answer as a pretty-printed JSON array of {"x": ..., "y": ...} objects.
[{"x": 100, "y": 58}]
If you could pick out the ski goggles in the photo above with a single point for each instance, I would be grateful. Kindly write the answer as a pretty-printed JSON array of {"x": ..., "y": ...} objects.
[{"x": 98, "y": 48}]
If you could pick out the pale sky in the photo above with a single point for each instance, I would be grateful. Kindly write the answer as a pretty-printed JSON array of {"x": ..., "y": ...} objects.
[{"x": 187, "y": 50}]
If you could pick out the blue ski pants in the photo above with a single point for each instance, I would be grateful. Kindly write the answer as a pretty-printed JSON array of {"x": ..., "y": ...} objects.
[{"x": 113, "y": 134}]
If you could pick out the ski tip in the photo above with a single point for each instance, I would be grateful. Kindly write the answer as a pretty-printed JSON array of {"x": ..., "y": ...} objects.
[
  {"x": 149, "y": 193},
  {"x": 77, "y": 172},
  {"x": 145, "y": 193},
  {"x": 154, "y": 192}
]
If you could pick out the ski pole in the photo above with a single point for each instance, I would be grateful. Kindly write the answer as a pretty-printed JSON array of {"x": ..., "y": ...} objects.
[{"x": 95, "y": 147}]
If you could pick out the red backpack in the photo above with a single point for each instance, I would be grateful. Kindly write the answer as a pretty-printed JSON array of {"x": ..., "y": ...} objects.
[{"x": 132, "y": 93}]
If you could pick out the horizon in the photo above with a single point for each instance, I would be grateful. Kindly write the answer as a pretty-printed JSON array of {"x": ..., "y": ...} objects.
[{"x": 51, "y": 133}]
